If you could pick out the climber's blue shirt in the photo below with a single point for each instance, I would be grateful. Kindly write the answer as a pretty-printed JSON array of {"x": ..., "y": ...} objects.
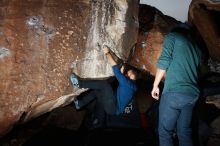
[{"x": 125, "y": 91}]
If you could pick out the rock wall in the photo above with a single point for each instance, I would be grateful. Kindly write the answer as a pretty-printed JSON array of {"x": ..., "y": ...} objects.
[
  {"x": 205, "y": 15},
  {"x": 42, "y": 41},
  {"x": 154, "y": 25}
]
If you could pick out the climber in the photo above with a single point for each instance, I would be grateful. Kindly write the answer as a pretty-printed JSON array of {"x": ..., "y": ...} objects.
[{"x": 108, "y": 101}]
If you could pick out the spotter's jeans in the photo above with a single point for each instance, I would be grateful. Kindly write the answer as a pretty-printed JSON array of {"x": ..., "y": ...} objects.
[{"x": 175, "y": 113}]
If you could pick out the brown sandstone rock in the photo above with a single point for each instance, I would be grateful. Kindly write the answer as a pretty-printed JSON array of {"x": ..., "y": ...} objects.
[
  {"x": 153, "y": 27},
  {"x": 204, "y": 14},
  {"x": 42, "y": 41}
]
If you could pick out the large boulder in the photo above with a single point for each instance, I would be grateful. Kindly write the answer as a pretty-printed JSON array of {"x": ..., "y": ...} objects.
[
  {"x": 205, "y": 14},
  {"x": 42, "y": 41},
  {"x": 154, "y": 25}
]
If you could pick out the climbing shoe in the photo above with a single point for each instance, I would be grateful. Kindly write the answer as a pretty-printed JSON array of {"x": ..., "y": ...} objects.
[
  {"x": 74, "y": 80},
  {"x": 76, "y": 103}
]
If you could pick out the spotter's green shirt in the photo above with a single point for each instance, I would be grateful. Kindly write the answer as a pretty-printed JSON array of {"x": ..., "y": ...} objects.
[{"x": 181, "y": 59}]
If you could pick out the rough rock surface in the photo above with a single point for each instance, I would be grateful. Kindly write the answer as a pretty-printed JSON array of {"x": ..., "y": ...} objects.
[
  {"x": 41, "y": 41},
  {"x": 205, "y": 14},
  {"x": 153, "y": 27}
]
